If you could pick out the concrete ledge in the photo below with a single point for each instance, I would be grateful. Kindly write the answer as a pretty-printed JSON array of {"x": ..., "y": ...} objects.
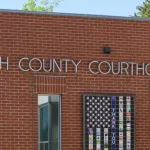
[{"x": 74, "y": 15}]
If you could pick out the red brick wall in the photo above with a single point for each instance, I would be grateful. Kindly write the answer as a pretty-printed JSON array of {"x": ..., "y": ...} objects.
[{"x": 77, "y": 38}]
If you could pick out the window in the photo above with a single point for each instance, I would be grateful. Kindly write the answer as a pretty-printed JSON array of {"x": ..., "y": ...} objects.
[{"x": 49, "y": 121}]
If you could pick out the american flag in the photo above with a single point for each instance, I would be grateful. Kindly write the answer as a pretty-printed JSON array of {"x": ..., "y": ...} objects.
[{"x": 109, "y": 122}]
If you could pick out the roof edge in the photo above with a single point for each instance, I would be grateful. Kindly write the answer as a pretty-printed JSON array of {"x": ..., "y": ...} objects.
[{"x": 74, "y": 15}]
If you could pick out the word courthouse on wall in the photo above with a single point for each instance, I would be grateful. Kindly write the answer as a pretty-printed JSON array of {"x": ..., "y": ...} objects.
[{"x": 53, "y": 65}]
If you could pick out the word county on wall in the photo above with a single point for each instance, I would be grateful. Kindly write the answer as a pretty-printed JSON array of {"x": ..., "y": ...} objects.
[{"x": 95, "y": 67}]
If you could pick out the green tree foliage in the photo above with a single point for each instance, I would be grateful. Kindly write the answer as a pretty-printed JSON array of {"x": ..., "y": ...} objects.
[
  {"x": 45, "y": 5},
  {"x": 144, "y": 10}
]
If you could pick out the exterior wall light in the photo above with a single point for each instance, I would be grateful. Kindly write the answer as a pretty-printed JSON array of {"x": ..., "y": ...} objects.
[{"x": 106, "y": 50}]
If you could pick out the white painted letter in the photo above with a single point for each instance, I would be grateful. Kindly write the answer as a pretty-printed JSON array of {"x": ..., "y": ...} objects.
[
  {"x": 146, "y": 69},
  {"x": 50, "y": 65},
  {"x": 66, "y": 64},
  {"x": 112, "y": 66},
  {"x": 132, "y": 63},
  {"x": 109, "y": 69},
  {"x": 124, "y": 68},
  {"x": 143, "y": 70},
  {"x": 90, "y": 67},
  {"x": 76, "y": 65},
  {"x": 58, "y": 67},
  {"x": 30, "y": 63},
  {"x": 20, "y": 61},
  {"x": 5, "y": 63}
]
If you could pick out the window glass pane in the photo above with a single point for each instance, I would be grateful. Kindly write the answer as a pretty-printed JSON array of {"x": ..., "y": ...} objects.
[
  {"x": 54, "y": 98},
  {"x": 41, "y": 146},
  {"x": 54, "y": 127},
  {"x": 44, "y": 146},
  {"x": 44, "y": 123},
  {"x": 42, "y": 100}
]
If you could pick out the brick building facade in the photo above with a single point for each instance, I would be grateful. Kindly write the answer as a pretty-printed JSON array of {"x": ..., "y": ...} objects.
[{"x": 73, "y": 37}]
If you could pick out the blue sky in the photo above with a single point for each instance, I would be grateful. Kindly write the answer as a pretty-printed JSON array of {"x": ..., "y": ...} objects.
[{"x": 100, "y": 7}]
